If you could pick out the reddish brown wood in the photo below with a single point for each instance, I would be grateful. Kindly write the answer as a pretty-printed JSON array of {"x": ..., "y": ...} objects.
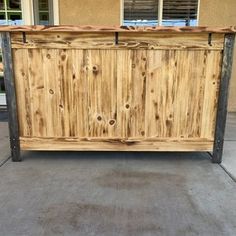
[{"x": 88, "y": 28}]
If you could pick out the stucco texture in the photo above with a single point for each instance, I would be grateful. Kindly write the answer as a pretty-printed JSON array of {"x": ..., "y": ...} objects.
[
  {"x": 89, "y": 12},
  {"x": 221, "y": 13}
]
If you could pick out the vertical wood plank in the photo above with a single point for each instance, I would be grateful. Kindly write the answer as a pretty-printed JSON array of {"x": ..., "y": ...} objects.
[
  {"x": 51, "y": 101},
  {"x": 20, "y": 58},
  {"x": 138, "y": 93},
  {"x": 37, "y": 92},
  {"x": 65, "y": 94},
  {"x": 131, "y": 76},
  {"x": 213, "y": 59},
  {"x": 195, "y": 93},
  {"x": 160, "y": 93},
  {"x": 124, "y": 83},
  {"x": 10, "y": 96},
  {"x": 80, "y": 91},
  {"x": 102, "y": 93}
]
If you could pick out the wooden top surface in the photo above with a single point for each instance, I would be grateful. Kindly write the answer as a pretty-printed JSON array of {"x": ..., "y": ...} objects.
[{"x": 88, "y": 28}]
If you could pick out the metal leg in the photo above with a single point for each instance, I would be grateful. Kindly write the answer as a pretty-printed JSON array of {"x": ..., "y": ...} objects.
[
  {"x": 11, "y": 96},
  {"x": 223, "y": 98}
]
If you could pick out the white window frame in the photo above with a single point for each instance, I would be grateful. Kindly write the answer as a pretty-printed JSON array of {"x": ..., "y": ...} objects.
[
  {"x": 160, "y": 12},
  {"x": 28, "y": 12}
]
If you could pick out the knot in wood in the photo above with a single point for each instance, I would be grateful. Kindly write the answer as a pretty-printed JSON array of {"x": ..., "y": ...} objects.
[
  {"x": 51, "y": 91},
  {"x": 112, "y": 122},
  {"x": 95, "y": 68},
  {"x": 63, "y": 57},
  {"x": 99, "y": 118},
  {"x": 127, "y": 106}
]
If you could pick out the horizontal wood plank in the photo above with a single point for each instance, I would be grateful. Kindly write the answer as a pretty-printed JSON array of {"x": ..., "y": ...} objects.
[
  {"x": 89, "y": 28},
  {"x": 98, "y": 144},
  {"x": 125, "y": 40}
]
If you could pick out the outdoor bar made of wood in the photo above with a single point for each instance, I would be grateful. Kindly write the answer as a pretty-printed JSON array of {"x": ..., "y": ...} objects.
[{"x": 87, "y": 88}]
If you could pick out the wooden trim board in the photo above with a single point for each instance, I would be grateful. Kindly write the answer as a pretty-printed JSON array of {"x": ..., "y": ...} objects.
[
  {"x": 74, "y": 144},
  {"x": 89, "y": 28},
  {"x": 93, "y": 40}
]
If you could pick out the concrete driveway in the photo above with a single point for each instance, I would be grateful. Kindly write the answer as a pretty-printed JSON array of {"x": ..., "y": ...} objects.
[{"x": 85, "y": 193}]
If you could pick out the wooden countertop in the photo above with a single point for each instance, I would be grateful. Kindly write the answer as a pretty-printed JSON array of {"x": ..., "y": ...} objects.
[{"x": 102, "y": 29}]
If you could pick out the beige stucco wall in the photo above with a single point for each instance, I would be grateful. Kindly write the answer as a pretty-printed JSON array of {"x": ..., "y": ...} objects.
[
  {"x": 89, "y": 12},
  {"x": 221, "y": 13}
]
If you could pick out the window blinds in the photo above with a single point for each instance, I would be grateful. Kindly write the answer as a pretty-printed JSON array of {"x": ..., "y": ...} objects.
[
  {"x": 172, "y": 9},
  {"x": 180, "y": 9},
  {"x": 140, "y": 9}
]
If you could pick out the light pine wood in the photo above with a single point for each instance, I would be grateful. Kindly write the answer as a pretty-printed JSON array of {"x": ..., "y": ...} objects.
[
  {"x": 71, "y": 144},
  {"x": 141, "y": 40},
  {"x": 180, "y": 100},
  {"x": 102, "y": 91},
  {"x": 23, "y": 92},
  {"x": 118, "y": 98}
]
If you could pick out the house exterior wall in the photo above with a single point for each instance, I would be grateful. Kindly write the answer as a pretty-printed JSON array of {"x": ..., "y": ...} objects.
[
  {"x": 221, "y": 13},
  {"x": 89, "y": 12}
]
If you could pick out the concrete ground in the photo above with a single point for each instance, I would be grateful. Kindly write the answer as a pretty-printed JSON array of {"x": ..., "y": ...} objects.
[
  {"x": 229, "y": 155},
  {"x": 111, "y": 194}
]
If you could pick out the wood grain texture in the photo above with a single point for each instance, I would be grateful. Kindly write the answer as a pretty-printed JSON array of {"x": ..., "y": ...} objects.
[
  {"x": 102, "y": 96},
  {"x": 180, "y": 103},
  {"x": 150, "y": 98},
  {"x": 89, "y": 28},
  {"x": 107, "y": 40},
  {"x": 114, "y": 145}
]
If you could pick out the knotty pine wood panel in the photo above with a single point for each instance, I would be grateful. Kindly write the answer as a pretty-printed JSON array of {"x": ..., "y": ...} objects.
[
  {"x": 181, "y": 93},
  {"x": 120, "y": 94}
]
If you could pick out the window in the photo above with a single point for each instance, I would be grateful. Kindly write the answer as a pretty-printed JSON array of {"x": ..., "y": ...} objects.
[
  {"x": 161, "y": 12},
  {"x": 10, "y": 12},
  {"x": 43, "y": 12},
  {"x": 140, "y": 12}
]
